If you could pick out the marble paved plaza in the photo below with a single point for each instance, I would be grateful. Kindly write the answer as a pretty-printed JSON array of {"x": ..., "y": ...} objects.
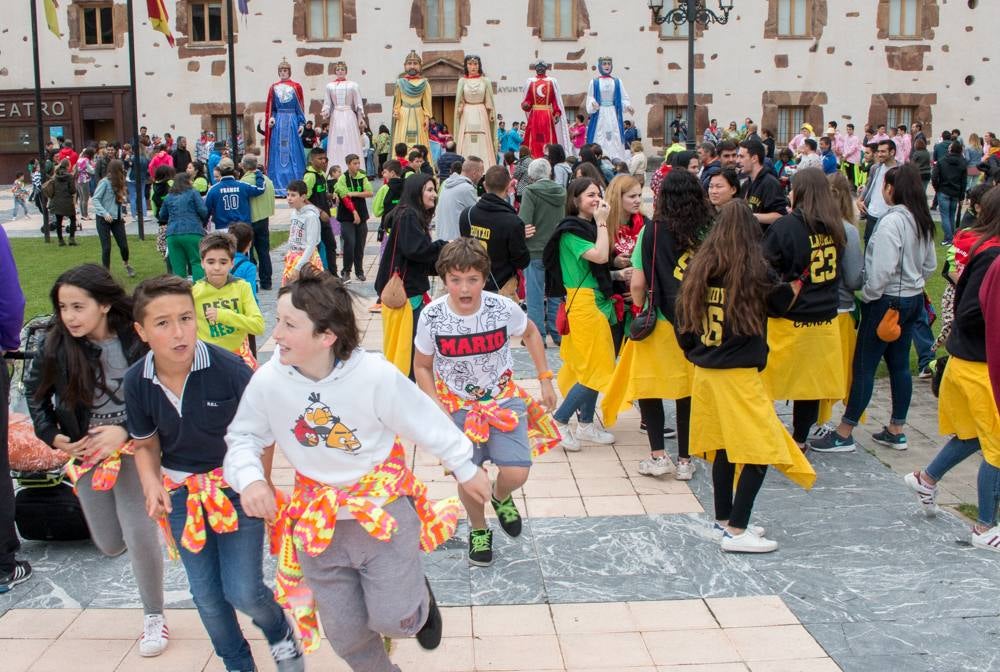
[{"x": 614, "y": 571}]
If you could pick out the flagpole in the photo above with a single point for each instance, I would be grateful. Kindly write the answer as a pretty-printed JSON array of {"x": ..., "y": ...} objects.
[
  {"x": 140, "y": 197},
  {"x": 233, "y": 130},
  {"x": 39, "y": 128}
]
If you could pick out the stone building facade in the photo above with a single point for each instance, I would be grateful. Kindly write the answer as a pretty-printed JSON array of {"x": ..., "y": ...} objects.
[{"x": 779, "y": 62}]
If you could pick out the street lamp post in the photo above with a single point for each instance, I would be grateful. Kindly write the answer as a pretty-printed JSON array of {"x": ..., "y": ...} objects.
[{"x": 690, "y": 13}]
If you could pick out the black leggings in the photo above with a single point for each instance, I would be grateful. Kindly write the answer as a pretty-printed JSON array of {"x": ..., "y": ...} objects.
[
  {"x": 72, "y": 225},
  {"x": 355, "y": 236},
  {"x": 651, "y": 412},
  {"x": 329, "y": 243},
  {"x": 736, "y": 509},
  {"x": 104, "y": 232},
  {"x": 804, "y": 416}
]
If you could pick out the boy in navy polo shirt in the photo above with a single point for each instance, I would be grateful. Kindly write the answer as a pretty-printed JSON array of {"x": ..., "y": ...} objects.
[
  {"x": 228, "y": 201},
  {"x": 180, "y": 399}
]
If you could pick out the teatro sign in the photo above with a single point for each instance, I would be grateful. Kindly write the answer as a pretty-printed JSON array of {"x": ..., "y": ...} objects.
[{"x": 26, "y": 109}]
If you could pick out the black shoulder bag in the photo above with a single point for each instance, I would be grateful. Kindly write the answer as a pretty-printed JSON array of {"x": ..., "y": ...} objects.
[{"x": 644, "y": 323}]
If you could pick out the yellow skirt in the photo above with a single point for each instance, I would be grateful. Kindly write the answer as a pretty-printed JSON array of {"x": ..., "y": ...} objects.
[
  {"x": 730, "y": 410},
  {"x": 848, "y": 341},
  {"x": 292, "y": 258},
  {"x": 803, "y": 362},
  {"x": 397, "y": 336},
  {"x": 966, "y": 407},
  {"x": 653, "y": 368},
  {"x": 587, "y": 351}
]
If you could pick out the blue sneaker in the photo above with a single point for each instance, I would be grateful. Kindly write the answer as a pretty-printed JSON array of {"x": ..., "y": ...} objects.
[
  {"x": 887, "y": 438},
  {"x": 833, "y": 443},
  {"x": 20, "y": 574}
]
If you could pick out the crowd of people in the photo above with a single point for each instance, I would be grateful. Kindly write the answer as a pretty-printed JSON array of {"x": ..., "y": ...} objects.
[{"x": 750, "y": 264}]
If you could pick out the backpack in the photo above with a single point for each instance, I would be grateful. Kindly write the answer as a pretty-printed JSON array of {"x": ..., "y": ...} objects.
[{"x": 50, "y": 513}]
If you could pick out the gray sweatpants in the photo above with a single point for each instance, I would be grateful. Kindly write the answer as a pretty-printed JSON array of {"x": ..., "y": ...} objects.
[
  {"x": 117, "y": 520},
  {"x": 366, "y": 588}
]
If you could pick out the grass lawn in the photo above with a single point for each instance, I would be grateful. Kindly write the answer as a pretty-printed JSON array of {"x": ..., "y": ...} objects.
[{"x": 39, "y": 265}]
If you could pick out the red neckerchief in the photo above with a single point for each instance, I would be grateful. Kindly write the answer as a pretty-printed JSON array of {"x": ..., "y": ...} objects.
[
  {"x": 473, "y": 76},
  {"x": 412, "y": 77},
  {"x": 341, "y": 79}
]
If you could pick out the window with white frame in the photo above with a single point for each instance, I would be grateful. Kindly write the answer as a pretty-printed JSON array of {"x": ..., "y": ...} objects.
[{"x": 97, "y": 25}]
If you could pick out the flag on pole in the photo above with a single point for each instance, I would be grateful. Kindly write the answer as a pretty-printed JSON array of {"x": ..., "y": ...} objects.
[
  {"x": 244, "y": 8},
  {"x": 158, "y": 19},
  {"x": 52, "y": 17}
]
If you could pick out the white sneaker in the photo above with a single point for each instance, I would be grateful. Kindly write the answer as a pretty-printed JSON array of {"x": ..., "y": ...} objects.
[
  {"x": 155, "y": 635},
  {"x": 288, "y": 656},
  {"x": 819, "y": 431},
  {"x": 748, "y": 542},
  {"x": 685, "y": 470},
  {"x": 927, "y": 494},
  {"x": 592, "y": 433},
  {"x": 988, "y": 540},
  {"x": 569, "y": 441},
  {"x": 719, "y": 530},
  {"x": 655, "y": 466}
]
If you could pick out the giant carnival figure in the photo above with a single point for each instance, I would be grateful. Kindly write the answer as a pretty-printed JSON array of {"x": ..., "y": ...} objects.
[
  {"x": 606, "y": 103},
  {"x": 411, "y": 105},
  {"x": 544, "y": 107},
  {"x": 284, "y": 119},
  {"x": 475, "y": 113},
  {"x": 345, "y": 110}
]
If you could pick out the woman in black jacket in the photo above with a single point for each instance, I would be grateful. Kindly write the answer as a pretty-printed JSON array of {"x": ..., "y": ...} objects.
[
  {"x": 410, "y": 252},
  {"x": 61, "y": 194},
  {"x": 76, "y": 398}
]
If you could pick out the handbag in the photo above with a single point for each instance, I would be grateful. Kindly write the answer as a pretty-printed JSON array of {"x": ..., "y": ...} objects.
[
  {"x": 644, "y": 323},
  {"x": 888, "y": 329},
  {"x": 562, "y": 314},
  {"x": 393, "y": 294},
  {"x": 939, "y": 366}
]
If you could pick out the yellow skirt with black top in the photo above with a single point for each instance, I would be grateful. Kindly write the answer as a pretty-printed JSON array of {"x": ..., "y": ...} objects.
[
  {"x": 966, "y": 407},
  {"x": 397, "y": 336},
  {"x": 804, "y": 361},
  {"x": 653, "y": 368},
  {"x": 730, "y": 410},
  {"x": 587, "y": 351},
  {"x": 848, "y": 331}
]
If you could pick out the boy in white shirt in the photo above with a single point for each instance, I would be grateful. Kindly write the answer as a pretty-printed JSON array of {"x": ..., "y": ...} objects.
[
  {"x": 463, "y": 360},
  {"x": 338, "y": 413},
  {"x": 304, "y": 233}
]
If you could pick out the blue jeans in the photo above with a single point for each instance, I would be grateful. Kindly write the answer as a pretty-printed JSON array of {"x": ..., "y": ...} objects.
[
  {"x": 988, "y": 486},
  {"x": 581, "y": 400},
  {"x": 227, "y": 575},
  {"x": 951, "y": 453},
  {"x": 541, "y": 309},
  {"x": 923, "y": 340},
  {"x": 871, "y": 349},
  {"x": 948, "y": 207},
  {"x": 136, "y": 205}
]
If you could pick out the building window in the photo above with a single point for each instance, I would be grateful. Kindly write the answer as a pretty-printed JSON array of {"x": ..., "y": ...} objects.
[
  {"x": 97, "y": 25},
  {"x": 793, "y": 18},
  {"x": 441, "y": 20},
  {"x": 668, "y": 31},
  {"x": 559, "y": 20},
  {"x": 205, "y": 23},
  {"x": 790, "y": 120},
  {"x": 900, "y": 115},
  {"x": 221, "y": 125},
  {"x": 670, "y": 113},
  {"x": 904, "y": 18},
  {"x": 326, "y": 20}
]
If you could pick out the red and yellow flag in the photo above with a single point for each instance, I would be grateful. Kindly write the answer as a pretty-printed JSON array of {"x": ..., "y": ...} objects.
[
  {"x": 52, "y": 17},
  {"x": 158, "y": 19}
]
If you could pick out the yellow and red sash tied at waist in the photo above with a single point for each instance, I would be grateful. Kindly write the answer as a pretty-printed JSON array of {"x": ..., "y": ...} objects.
[
  {"x": 105, "y": 471},
  {"x": 483, "y": 414},
  {"x": 205, "y": 495},
  {"x": 307, "y": 523}
]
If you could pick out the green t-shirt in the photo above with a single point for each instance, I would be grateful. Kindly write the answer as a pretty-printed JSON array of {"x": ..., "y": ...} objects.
[
  {"x": 576, "y": 272},
  {"x": 637, "y": 263}
]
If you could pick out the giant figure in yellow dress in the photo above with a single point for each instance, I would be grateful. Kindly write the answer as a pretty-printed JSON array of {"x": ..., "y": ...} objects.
[{"x": 411, "y": 105}]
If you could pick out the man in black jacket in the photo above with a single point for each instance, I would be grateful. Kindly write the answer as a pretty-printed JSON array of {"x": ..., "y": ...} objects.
[
  {"x": 494, "y": 223},
  {"x": 181, "y": 155},
  {"x": 949, "y": 179}
]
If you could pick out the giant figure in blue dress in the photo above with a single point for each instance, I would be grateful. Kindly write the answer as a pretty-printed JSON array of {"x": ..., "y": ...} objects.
[{"x": 284, "y": 120}]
